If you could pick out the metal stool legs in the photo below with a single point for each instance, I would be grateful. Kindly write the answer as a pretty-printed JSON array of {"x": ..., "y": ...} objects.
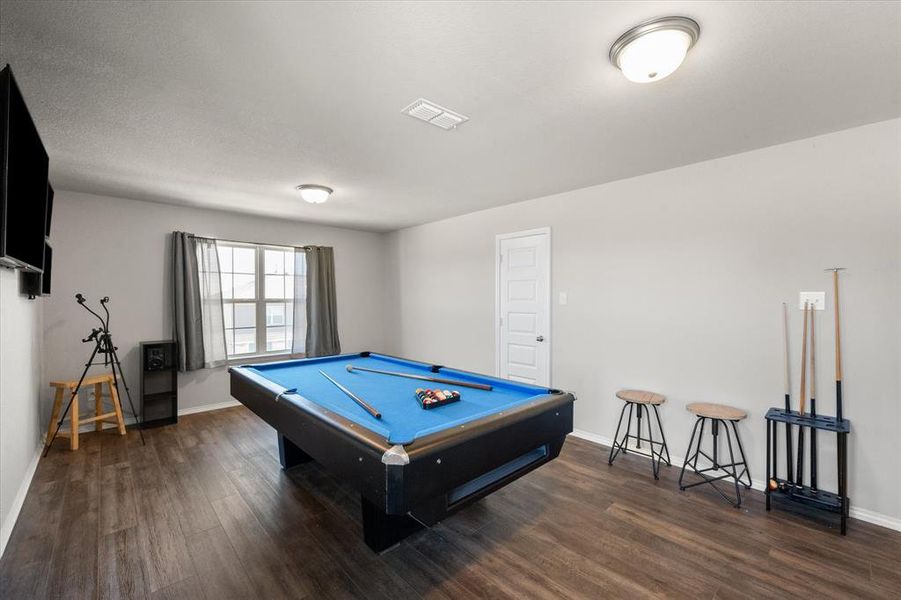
[
  {"x": 656, "y": 449},
  {"x": 735, "y": 470}
]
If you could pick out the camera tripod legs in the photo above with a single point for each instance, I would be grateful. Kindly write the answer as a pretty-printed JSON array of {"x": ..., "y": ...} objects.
[
  {"x": 113, "y": 361},
  {"x": 116, "y": 364}
]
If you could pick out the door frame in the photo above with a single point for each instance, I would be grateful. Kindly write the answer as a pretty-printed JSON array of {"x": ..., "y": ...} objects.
[{"x": 549, "y": 337}]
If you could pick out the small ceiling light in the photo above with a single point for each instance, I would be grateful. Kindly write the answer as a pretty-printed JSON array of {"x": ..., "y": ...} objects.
[
  {"x": 314, "y": 194},
  {"x": 652, "y": 50}
]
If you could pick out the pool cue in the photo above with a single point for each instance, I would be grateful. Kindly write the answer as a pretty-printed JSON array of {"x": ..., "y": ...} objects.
[
  {"x": 838, "y": 346},
  {"x": 813, "y": 400},
  {"x": 478, "y": 386},
  {"x": 366, "y": 406},
  {"x": 788, "y": 397},
  {"x": 799, "y": 472}
]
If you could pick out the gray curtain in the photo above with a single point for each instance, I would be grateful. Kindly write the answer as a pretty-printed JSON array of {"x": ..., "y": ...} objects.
[
  {"x": 321, "y": 306},
  {"x": 299, "y": 329},
  {"x": 212, "y": 317},
  {"x": 187, "y": 312}
]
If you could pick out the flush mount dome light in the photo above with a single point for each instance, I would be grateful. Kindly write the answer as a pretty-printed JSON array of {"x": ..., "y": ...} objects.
[
  {"x": 652, "y": 50},
  {"x": 314, "y": 194}
]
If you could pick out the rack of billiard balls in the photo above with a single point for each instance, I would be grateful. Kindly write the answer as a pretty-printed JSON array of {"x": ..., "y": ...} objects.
[{"x": 433, "y": 398}]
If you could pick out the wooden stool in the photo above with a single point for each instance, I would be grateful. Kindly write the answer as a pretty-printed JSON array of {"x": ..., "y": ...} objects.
[
  {"x": 641, "y": 400},
  {"x": 99, "y": 418},
  {"x": 716, "y": 414}
]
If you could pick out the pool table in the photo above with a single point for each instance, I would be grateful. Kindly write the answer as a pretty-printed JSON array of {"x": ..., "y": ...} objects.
[{"x": 412, "y": 466}]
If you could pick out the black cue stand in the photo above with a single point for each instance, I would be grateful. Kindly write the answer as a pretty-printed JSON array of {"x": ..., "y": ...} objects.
[
  {"x": 159, "y": 383},
  {"x": 796, "y": 491}
]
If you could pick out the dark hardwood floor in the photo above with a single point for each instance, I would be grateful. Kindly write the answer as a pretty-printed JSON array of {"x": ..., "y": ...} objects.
[{"x": 204, "y": 511}]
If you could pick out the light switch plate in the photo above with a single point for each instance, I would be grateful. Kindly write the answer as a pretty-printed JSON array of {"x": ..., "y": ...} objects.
[
  {"x": 815, "y": 299},
  {"x": 563, "y": 298}
]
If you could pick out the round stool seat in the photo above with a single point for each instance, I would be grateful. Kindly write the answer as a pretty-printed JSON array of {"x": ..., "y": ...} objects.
[
  {"x": 710, "y": 410},
  {"x": 641, "y": 397}
]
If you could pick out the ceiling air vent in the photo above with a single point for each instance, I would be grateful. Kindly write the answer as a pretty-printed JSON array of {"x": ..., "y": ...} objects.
[{"x": 427, "y": 111}]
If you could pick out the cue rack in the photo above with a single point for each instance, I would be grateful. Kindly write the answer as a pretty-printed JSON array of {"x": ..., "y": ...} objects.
[{"x": 791, "y": 486}]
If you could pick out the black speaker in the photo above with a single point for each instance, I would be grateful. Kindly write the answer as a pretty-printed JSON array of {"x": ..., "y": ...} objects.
[{"x": 155, "y": 359}]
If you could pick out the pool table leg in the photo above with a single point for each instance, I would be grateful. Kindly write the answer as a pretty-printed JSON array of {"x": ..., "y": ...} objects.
[
  {"x": 289, "y": 454},
  {"x": 382, "y": 531}
]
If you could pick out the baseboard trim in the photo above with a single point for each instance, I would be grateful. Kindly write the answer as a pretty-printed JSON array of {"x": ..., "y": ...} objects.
[
  {"x": 875, "y": 518},
  {"x": 130, "y": 420},
  {"x": 208, "y": 407},
  {"x": 857, "y": 513},
  {"x": 6, "y": 529},
  {"x": 592, "y": 437}
]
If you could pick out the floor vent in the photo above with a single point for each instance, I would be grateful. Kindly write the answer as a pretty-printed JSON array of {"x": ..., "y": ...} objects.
[{"x": 428, "y": 111}]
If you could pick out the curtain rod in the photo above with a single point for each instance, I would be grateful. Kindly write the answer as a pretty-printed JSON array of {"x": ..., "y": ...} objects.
[{"x": 218, "y": 239}]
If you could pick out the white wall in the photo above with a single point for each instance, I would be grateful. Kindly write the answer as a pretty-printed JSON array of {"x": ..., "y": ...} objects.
[
  {"x": 122, "y": 249},
  {"x": 21, "y": 382},
  {"x": 675, "y": 283}
]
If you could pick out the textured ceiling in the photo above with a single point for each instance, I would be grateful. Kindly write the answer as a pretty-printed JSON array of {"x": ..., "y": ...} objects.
[{"x": 230, "y": 105}]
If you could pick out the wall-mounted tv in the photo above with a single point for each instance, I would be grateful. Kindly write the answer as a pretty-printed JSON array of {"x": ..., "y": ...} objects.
[
  {"x": 49, "y": 209},
  {"x": 23, "y": 181},
  {"x": 38, "y": 284}
]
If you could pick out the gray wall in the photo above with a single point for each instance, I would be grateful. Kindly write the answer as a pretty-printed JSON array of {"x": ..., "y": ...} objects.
[
  {"x": 21, "y": 382},
  {"x": 121, "y": 249},
  {"x": 675, "y": 282}
]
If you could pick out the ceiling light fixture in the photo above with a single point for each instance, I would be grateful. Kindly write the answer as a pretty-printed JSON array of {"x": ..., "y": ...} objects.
[
  {"x": 314, "y": 194},
  {"x": 654, "y": 49}
]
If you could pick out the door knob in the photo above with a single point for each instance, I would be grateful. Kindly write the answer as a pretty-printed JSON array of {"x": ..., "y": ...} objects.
[{"x": 540, "y": 338}]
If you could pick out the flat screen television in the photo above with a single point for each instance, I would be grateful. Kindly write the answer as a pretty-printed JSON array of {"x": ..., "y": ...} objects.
[
  {"x": 49, "y": 209},
  {"x": 23, "y": 182},
  {"x": 45, "y": 276}
]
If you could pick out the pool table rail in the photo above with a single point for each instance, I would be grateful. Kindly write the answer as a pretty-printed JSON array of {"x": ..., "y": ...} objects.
[{"x": 261, "y": 391}]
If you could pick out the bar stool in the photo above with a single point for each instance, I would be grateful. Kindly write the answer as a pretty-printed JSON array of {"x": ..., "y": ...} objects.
[
  {"x": 639, "y": 400},
  {"x": 717, "y": 414},
  {"x": 99, "y": 418}
]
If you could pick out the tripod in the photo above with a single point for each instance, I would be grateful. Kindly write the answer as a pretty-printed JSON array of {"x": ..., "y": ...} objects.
[{"x": 103, "y": 344}]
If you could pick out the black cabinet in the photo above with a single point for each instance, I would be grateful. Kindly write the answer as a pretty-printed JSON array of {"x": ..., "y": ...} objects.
[{"x": 159, "y": 383}]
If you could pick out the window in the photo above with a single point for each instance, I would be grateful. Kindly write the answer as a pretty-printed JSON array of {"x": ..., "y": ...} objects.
[{"x": 257, "y": 298}]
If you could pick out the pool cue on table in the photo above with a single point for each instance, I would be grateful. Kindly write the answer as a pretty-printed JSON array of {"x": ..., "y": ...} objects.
[
  {"x": 838, "y": 346},
  {"x": 366, "y": 406},
  {"x": 453, "y": 382},
  {"x": 799, "y": 472},
  {"x": 788, "y": 398},
  {"x": 813, "y": 400}
]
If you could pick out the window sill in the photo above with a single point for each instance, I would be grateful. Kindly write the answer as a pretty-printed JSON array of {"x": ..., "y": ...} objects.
[{"x": 250, "y": 359}]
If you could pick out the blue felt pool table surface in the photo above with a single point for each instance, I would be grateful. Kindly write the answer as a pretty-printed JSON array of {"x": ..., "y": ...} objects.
[{"x": 403, "y": 419}]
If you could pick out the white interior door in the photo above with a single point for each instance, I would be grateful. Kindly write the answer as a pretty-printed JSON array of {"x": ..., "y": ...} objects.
[{"x": 523, "y": 306}]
